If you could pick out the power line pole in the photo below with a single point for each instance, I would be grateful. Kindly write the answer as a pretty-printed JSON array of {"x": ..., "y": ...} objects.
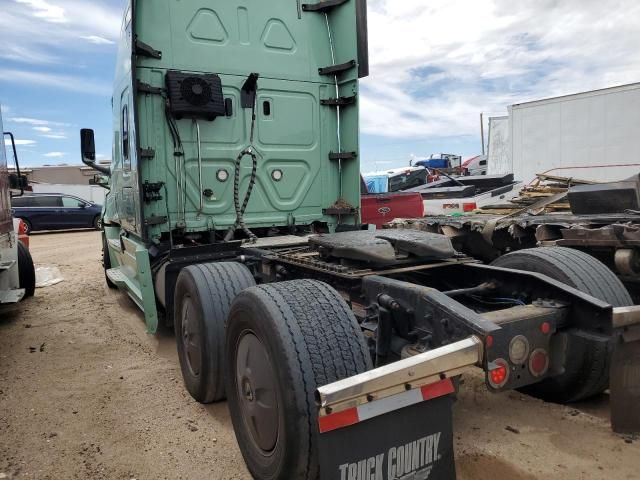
[{"x": 482, "y": 131}]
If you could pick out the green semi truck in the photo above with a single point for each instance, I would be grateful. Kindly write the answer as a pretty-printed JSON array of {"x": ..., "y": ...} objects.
[{"x": 233, "y": 217}]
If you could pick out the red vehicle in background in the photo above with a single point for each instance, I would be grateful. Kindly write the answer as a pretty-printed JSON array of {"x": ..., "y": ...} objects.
[{"x": 381, "y": 208}]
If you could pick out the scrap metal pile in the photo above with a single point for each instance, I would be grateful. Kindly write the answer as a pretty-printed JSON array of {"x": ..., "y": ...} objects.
[{"x": 602, "y": 218}]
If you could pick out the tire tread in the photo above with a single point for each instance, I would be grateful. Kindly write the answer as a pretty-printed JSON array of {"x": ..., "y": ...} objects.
[
  {"x": 217, "y": 286},
  {"x": 323, "y": 343}
]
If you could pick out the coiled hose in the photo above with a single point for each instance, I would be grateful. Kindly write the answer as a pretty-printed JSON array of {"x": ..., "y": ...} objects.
[
  {"x": 236, "y": 193},
  {"x": 240, "y": 209}
]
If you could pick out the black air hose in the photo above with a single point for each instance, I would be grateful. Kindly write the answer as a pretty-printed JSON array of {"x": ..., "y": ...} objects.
[
  {"x": 240, "y": 209},
  {"x": 236, "y": 192}
]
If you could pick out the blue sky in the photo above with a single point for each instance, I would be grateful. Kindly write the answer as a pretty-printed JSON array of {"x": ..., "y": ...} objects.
[{"x": 435, "y": 65}]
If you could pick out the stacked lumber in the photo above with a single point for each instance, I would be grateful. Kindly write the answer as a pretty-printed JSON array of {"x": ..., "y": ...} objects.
[{"x": 546, "y": 194}]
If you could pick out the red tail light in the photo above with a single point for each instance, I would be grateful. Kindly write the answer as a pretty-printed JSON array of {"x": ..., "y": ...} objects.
[
  {"x": 498, "y": 373},
  {"x": 469, "y": 207},
  {"x": 539, "y": 362},
  {"x": 22, "y": 228},
  {"x": 488, "y": 341}
]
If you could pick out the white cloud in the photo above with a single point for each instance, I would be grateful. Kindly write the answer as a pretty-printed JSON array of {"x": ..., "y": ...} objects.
[
  {"x": 55, "y": 154},
  {"x": 30, "y": 121},
  {"x": 20, "y": 53},
  {"x": 45, "y": 10},
  {"x": 51, "y": 80},
  {"x": 46, "y": 128},
  {"x": 23, "y": 143},
  {"x": 37, "y": 122},
  {"x": 29, "y": 28},
  {"x": 436, "y": 65},
  {"x": 97, "y": 40}
]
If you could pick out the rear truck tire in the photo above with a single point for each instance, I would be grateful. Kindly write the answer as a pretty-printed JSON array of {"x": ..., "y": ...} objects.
[
  {"x": 26, "y": 271},
  {"x": 588, "y": 357},
  {"x": 106, "y": 262},
  {"x": 283, "y": 341},
  {"x": 203, "y": 296}
]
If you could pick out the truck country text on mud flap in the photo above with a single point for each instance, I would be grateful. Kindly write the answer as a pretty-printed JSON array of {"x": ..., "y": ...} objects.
[{"x": 396, "y": 419}]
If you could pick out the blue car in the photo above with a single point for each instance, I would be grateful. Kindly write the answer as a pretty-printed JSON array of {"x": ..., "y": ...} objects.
[{"x": 54, "y": 211}]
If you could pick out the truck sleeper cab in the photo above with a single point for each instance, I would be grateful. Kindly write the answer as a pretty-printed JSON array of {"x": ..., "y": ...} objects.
[{"x": 233, "y": 216}]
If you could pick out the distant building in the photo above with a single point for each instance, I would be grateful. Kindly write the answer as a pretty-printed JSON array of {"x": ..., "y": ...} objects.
[
  {"x": 65, "y": 179},
  {"x": 61, "y": 174}
]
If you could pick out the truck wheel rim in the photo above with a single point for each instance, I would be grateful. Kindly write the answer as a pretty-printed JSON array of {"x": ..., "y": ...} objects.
[
  {"x": 191, "y": 337},
  {"x": 256, "y": 385}
]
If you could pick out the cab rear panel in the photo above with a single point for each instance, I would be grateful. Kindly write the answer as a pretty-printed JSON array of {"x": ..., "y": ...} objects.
[{"x": 294, "y": 132}]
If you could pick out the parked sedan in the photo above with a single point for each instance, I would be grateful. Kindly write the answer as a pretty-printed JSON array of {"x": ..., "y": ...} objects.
[{"x": 51, "y": 211}]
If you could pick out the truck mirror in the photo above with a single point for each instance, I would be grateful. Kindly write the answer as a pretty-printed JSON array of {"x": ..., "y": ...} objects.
[
  {"x": 88, "y": 151},
  {"x": 17, "y": 182},
  {"x": 87, "y": 146}
]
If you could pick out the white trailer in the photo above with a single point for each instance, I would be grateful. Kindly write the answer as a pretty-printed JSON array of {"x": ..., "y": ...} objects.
[
  {"x": 499, "y": 160},
  {"x": 593, "y": 135}
]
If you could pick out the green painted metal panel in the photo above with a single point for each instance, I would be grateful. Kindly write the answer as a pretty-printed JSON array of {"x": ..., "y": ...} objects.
[
  {"x": 130, "y": 262},
  {"x": 275, "y": 38},
  {"x": 294, "y": 132}
]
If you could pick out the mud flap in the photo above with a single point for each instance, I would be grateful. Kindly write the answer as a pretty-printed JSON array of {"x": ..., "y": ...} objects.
[
  {"x": 408, "y": 436},
  {"x": 624, "y": 383}
]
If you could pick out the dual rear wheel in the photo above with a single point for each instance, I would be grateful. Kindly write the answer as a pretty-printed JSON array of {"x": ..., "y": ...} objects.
[{"x": 266, "y": 348}]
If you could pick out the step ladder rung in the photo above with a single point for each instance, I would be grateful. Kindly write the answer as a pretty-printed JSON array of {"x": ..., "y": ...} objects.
[
  {"x": 322, "y": 7},
  {"x": 337, "y": 69}
]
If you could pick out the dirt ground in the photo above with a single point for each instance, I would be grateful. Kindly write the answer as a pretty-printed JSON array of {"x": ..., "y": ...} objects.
[{"x": 85, "y": 393}]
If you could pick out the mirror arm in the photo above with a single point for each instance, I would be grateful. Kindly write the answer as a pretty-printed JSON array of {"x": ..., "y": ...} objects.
[
  {"x": 15, "y": 160},
  {"x": 92, "y": 164}
]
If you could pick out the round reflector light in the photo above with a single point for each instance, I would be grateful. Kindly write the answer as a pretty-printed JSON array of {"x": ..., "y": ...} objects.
[
  {"x": 222, "y": 175},
  {"x": 539, "y": 362},
  {"x": 545, "y": 328},
  {"x": 277, "y": 175},
  {"x": 498, "y": 373},
  {"x": 519, "y": 350}
]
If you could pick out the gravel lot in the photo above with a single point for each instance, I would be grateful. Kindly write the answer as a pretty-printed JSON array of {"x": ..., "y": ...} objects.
[{"x": 85, "y": 393}]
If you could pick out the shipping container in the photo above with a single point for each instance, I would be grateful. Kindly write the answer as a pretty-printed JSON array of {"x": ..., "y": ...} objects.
[{"x": 593, "y": 135}]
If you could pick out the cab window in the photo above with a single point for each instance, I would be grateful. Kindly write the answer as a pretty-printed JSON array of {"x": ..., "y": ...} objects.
[
  {"x": 47, "y": 201},
  {"x": 126, "y": 160},
  {"x": 70, "y": 202},
  {"x": 22, "y": 202}
]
